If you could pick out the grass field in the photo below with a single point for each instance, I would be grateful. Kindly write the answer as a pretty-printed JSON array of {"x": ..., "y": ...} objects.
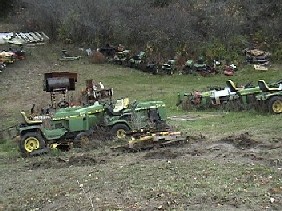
[
  {"x": 237, "y": 166},
  {"x": 21, "y": 84}
]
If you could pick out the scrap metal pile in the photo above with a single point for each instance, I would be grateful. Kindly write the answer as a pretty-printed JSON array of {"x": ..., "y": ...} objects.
[
  {"x": 259, "y": 58},
  {"x": 263, "y": 97},
  {"x": 23, "y": 38},
  {"x": 65, "y": 56},
  {"x": 16, "y": 41}
]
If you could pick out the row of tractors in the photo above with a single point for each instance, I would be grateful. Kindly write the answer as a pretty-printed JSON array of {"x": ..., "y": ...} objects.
[
  {"x": 263, "y": 97},
  {"x": 141, "y": 61},
  {"x": 98, "y": 117}
]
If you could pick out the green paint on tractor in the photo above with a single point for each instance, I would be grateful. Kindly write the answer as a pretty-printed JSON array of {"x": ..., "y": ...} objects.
[{"x": 70, "y": 125}]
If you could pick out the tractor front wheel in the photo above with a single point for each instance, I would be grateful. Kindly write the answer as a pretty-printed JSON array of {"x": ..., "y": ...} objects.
[
  {"x": 275, "y": 105},
  {"x": 119, "y": 131},
  {"x": 82, "y": 140},
  {"x": 30, "y": 142}
]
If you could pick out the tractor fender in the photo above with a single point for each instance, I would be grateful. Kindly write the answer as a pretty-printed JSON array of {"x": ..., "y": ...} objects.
[
  {"x": 274, "y": 94},
  {"x": 32, "y": 129},
  {"x": 111, "y": 124},
  {"x": 25, "y": 130},
  {"x": 267, "y": 96},
  {"x": 54, "y": 134}
]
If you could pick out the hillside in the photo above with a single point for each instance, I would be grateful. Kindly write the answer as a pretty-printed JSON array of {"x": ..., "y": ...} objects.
[{"x": 231, "y": 163}]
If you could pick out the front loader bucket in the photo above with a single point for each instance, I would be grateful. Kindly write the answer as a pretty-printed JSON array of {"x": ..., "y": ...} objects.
[{"x": 56, "y": 81}]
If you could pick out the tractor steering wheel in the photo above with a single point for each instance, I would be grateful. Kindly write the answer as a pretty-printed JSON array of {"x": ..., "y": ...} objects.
[
  {"x": 63, "y": 104},
  {"x": 249, "y": 84}
]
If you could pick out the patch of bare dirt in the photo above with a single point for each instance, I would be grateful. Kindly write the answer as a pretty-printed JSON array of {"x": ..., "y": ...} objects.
[
  {"x": 242, "y": 141},
  {"x": 62, "y": 162},
  {"x": 242, "y": 148},
  {"x": 194, "y": 117},
  {"x": 162, "y": 154},
  {"x": 135, "y": 181}
]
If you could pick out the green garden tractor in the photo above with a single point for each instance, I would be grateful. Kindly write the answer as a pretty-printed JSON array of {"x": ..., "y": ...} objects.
[
  {"x": 122, "y": 57},
  {"x": 216, "y": 97},
  {"x": 169, "y": 67},
  {"x": 64, "y": 127},
  {"x": 200, "y": 67},
  {"x": 263, "y": 97},
  {"x": 271, "y": 96},
  {"x": 246, "y": 99},
  {"x": 126, "y": 118},
  {"x": 137, "y": 60}
]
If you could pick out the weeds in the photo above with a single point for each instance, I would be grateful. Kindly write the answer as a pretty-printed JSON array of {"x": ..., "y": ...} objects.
[
  {"x": 8, "y": 146},
  {"x": 86, "y": 195}
]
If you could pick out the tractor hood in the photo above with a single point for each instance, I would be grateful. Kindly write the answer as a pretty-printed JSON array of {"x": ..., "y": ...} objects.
[
  {"x": 65, "y": 113},
  {"x": 247, "y": 91},
  {"x": 149, "y": 104}
]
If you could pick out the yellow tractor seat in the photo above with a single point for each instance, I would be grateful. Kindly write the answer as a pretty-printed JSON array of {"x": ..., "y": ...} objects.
[
  {"x": 29, "y": 121},
  {"x": 231, "y": 86},
  {"x": 265, "y": 88},
  {"x": 121, "y": 104}
]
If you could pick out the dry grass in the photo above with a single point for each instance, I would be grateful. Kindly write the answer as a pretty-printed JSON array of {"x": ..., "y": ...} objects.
[{"x": 203, "y": 175}]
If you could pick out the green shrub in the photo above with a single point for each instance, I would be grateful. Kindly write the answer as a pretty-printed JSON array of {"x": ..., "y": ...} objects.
[
  {"x": 8, "y": 146},
  {"x": 277, "y": 52}
]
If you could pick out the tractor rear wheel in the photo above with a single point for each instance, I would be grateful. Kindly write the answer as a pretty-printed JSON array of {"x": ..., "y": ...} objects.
[
  {"x": 30, "y": 142},
  {"x": 119, "y": 131},
  {"x": 275, "y": 105}
]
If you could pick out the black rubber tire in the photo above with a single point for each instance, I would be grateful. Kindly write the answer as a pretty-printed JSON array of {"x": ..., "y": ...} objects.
[
  {"x": 272, "y": 102},
  {"x": 31, "y": 136},
  {"x": 63, "y": 104},
  {"x": 117, "y": 129},
  {"x": 82, "y": 140}
]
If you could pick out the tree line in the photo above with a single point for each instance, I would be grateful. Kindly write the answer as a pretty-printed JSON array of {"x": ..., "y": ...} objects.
[{"x": 215, "y": 28}]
